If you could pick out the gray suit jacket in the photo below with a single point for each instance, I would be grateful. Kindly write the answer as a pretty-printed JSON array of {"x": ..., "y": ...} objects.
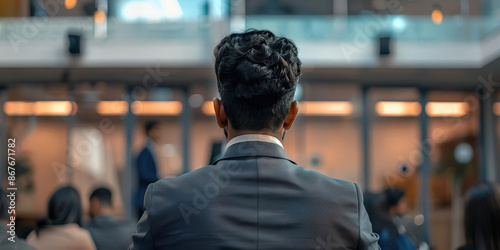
[{"x": 254, "y": 197}]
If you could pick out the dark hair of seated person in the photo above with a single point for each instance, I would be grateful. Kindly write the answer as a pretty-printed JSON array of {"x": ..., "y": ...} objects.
[
  {"x": 65, "y": 207},
  {"x": 257, "y": 73},
  {"x": 103, "y": 195},
  {"x": 482, "y": 217}
]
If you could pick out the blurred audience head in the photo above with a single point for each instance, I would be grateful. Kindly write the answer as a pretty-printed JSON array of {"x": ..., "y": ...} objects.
[
  {"x": 152, "y": 130},
  {"x": 482, "y": 217},
  {"x": 395, "y": 201},
  {"x": 65, "y": 207},
  {"x": 100, "y": 200},
  {"x": 4, "y": 206},
  {"x": 381, "y": 207},
  {"x": 257, "y": 73}
]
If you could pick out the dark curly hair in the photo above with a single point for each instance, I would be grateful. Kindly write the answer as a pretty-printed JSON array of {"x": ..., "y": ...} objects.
[{"x": 257, "y": 73}]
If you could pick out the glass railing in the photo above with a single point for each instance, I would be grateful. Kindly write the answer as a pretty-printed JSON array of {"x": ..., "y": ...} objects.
[
  {"x": 36, "y": 28},
  {"x": 352, "y": 28},
  {"x": 300, "y": 28},
  {"x": 21, "y": 30}
]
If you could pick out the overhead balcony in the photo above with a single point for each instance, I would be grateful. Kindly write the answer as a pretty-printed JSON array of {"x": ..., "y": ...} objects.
[{"x": 341, "y": 48}]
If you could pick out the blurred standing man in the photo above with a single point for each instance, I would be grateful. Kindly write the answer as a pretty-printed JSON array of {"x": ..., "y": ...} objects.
[
  {"x": 107, "y": 231},
  {"x": 254, "y": 197},
  {"x": 146, "y": 164}
]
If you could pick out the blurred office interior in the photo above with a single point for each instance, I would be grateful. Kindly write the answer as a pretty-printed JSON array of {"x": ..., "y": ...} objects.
[{"x": 394, "y": 93}]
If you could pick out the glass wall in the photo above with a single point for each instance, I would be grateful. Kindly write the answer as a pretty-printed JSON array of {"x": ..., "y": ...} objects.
[
  {"x": 397, "y": 151},
  {"x": 453, "y": 150},
  {"x": 84, "y": 142},
  {"x": 40, "y": 145},
  {"x": 393, "y": 136},
  {"x": 76, "y": 134},
  {"x": 326, "y": 136}
]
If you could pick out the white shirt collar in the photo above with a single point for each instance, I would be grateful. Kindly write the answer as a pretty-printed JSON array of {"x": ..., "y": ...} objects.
[
  {"x": 150, "y": 144},
  {"x": 254, "y": 137}
]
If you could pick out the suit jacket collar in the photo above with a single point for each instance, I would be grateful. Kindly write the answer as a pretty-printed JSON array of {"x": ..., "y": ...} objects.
[{"x": 249, "y": 149}]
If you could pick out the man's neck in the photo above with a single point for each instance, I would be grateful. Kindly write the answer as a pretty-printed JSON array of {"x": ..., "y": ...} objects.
[{"x": 106, "y": 211}]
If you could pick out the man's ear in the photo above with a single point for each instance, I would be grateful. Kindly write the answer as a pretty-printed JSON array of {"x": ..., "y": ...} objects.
[
  {"x": 292, "y": 114},
  {"x": 220, "y": 113}
]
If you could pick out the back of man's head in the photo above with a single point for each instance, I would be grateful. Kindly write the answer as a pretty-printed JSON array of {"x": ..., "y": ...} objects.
[
  {"x": 103, "y": 195},
  {"x": 4, "y": 206},
  {"x": 257, "y": 73},
  {"x": 149, "y": 128}
]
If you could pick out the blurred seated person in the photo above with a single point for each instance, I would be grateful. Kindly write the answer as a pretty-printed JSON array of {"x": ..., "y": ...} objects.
[
  {"x": 61, "y": 230},
  {"x": 386, "y": 211},
  {"x": 107, "y": 231},
  {"x": 147, "y": 171},
  {"x": 254, "y": 196},
  {"x": 482, "y": 218},
  {"x": 5, "y": 219}
]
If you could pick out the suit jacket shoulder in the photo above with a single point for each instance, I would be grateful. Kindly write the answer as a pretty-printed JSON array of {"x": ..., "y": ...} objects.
[{"x": 255, "y": 197}]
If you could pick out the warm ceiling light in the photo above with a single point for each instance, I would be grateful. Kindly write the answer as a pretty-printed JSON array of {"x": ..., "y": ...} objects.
[
  {"x": 112, "y": 107},
  {"x": 437, "y": 15},
  {"x": 18, "y": 108},
  {"x": 99, "y": 16},
  {"x": 69, "y": 4},
  {"x": 208, "y": 108},
  {"x": 156, "y": 108},
  {"x": 324, "y": 108},
  {"x": 398, "y": 108},
  {"x": 447, "y": 109},
  {"x": 54, "y": 108},
  {"x": 41, "y": 108}
]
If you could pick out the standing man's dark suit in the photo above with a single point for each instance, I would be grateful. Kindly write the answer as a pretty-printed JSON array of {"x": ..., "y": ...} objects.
[
  {"x": 147, "y": 172},
  {"x": 255, "y": 197}
]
